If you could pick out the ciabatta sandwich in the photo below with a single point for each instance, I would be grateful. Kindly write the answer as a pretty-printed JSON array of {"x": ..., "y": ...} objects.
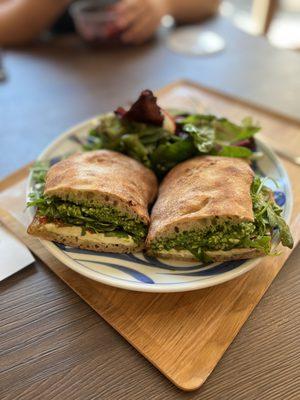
[
  {"x": 213, "y": 209},
  {"x": 96, "y": 200}
]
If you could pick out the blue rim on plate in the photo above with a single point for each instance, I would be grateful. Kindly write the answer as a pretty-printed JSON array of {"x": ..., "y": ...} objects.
[{"x": 139, "y": 272}]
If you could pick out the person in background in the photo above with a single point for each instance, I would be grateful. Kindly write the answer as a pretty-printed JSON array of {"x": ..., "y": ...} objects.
[{"x": 22, "y": 21}]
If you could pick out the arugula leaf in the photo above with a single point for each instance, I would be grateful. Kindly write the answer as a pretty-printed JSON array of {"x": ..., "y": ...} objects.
[
  {"x": 39, "y": 171},
  {"x": 276, "y": 221},
  {"x": 106, "y": 135},
  {"x": 235, "y": 151},
  {"x": 110, "y": 126},
  {"x": 151, "y": 134},
  {"x": 94, "y": 142},
  {"x": 198, "y": 119},
  {"x": 261, "y": 243},
  {"x": 203, "y": 137},
  {"x": 228, "y": 133},
  {"x": 133, "y": 147},
  {"x": 170, "y": 153},
  {"x": 268, "y": 214}
]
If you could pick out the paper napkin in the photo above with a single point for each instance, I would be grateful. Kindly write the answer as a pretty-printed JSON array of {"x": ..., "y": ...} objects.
[{"x": 14, "y": 255}]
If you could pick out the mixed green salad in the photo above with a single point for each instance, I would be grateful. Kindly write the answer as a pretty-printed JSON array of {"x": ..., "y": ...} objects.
[
  {"x": 160, "y": 140},
  {"x": 227, "y": 235}
]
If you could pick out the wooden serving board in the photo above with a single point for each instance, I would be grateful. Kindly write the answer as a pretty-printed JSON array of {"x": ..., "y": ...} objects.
[{"x": 183, "y": 334}]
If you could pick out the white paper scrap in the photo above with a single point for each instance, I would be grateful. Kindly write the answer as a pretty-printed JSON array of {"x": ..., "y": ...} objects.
[{"x": 14, "y": 255}]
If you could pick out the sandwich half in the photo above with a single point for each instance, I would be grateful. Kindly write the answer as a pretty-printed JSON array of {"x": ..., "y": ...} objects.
[
  {"x": 96, "y": 200},
  {"x": 214, "y": 209}
]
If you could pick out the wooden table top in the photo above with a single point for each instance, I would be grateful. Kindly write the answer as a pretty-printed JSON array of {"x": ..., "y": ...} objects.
[{"x": 53, "y": 346}]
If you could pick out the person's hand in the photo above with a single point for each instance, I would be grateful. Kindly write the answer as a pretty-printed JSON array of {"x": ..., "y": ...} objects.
[{"x": 139, "y": 18}]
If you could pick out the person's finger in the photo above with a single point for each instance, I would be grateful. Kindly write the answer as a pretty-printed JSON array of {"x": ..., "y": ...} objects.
[
  {"x": 125, "y": 6},
  {"x": 127, "y": 17},
  {"x": 140, "y": 31},
  {"x": 133, "y": 12}
]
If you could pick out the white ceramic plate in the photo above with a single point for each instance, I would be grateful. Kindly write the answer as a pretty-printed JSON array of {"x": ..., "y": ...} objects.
[{"x": 139, "y": 272}]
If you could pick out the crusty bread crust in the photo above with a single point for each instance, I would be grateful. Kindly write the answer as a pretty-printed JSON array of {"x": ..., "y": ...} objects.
[
  {"x": 199, "y": 190},
  {"x": 38, "y": 228},
  {"x": 104, "y": 176},
  {"x": 215, "y": 256}
]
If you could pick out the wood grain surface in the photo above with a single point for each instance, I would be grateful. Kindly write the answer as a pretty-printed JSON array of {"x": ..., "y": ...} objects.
[
  {"x": 185, "y": 352},
  {"x": 184, "y": 334},
  {"x": 55, "y": 346}
]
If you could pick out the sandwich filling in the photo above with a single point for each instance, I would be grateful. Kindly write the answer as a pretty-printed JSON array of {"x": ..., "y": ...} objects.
[
  {"x": 227, "y": 234},
  {"x": 104, "y": 218}
]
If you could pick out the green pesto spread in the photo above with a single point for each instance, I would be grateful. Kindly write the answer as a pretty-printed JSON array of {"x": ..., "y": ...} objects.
[
  {"x": 225, "y": 236},
  {"x": 105, "y": 218}
]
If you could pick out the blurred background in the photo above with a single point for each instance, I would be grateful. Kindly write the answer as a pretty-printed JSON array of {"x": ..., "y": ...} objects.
[
  {"x": 279, "y": 20},
  {"x": 65, "y": 61},
  {"x": 136, "y": 21}
]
